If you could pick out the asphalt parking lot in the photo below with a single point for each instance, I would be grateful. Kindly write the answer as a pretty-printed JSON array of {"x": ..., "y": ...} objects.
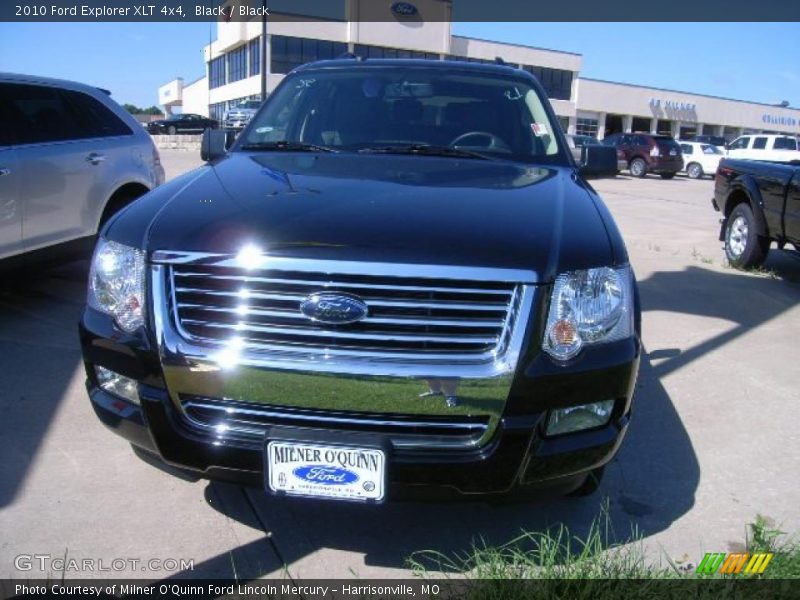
[{"x": 713, "y": 440}]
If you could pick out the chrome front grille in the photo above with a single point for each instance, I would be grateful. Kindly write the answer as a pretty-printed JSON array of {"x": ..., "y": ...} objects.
[
  {"x": 409, "y": 316},
  {"x": 225, "y": 422}
]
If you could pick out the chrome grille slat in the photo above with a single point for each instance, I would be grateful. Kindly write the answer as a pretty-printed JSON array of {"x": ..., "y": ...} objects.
[
  {"x": 324, "y": 283},
  {"x": 295, "y": 315},
  {"x": 232, "y": 421},
  {"x": 372, "y": 302},
  {"x": 408, "y": 316},
  {"x": 244, "y": 326}
]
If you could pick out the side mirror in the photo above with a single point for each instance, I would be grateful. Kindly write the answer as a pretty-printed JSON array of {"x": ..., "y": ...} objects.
[
  {"x": 598, "y": 161},
  {"x": 213, "y": 144}
]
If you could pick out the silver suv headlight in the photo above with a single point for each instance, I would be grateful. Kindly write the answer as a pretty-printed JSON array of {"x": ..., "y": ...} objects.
[
  {"x": 116, "y": 283},
  {"x": 589, "y": 307}
]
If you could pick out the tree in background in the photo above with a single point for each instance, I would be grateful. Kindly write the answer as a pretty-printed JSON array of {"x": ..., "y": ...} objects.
[{"x": 135, "y": 110}]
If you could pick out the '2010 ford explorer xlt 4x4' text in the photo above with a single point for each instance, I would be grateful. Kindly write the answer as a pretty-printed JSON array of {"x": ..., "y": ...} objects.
[{"x": 396, "y": 277}]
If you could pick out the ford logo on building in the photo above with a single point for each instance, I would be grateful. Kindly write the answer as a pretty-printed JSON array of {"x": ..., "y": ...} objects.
[
  {"x": 325, "y": 474},
  {"x": 336, "y": 309},
  {"x": 404, "y": 9}
]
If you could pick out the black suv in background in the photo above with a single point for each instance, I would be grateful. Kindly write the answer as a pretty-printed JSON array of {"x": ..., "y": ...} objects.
[{"x": 648, "y": 153}]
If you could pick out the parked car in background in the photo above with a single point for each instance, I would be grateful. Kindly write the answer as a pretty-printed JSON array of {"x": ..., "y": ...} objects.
[
  {"x": 70, "y": 158},
  {"x": 240, "y": 115},
  {"x": 778, "y": 148},
  {"x": 576, "y": 144},
  {"x": 648, "y": 153},
  {"x": 714, "y": 140},
  {"x": 183, "y": 123},
  {"x": 399, "y": 279},
  {"x": 700, "y": 159},
  {"x": 760, "y": 204}
]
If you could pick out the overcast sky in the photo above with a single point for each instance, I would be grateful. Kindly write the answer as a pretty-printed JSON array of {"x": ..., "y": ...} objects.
[{"x": 748, "y": 61}]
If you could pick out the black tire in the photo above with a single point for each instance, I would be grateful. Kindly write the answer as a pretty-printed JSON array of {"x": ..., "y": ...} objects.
[
  {"x": 590, "y": 484},
  {"x": 638, "y": 167},
  {"x": 171, "y": 130},
  {"x": 667, "y": 175},
  {"x": 694, "y": 171},
  {"x": 744, "y": 248}
]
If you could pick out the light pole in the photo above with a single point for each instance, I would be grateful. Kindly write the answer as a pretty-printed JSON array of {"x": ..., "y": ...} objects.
[{"x": 263, "y": 50}]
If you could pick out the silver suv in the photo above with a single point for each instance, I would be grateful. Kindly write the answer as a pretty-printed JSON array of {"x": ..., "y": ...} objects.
[
  {"x": 70, "y": 157},
  {"x": 239, "y": 116}
]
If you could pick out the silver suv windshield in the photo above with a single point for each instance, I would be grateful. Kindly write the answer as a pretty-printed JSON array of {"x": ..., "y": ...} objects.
[{"x": 384, "y": 108}]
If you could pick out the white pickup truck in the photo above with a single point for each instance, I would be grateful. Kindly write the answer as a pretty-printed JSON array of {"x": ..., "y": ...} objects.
[{"x": 779, "y": 148}]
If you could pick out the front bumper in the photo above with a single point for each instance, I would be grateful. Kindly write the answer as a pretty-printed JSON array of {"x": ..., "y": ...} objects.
[{"x": 516, "y": 455}]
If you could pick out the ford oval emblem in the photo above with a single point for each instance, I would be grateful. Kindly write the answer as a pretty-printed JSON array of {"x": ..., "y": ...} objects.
[
  {"x": 336, "y": 309},
  {"x": 404, "y": 9},
  {"x": 325, "y": 474}
]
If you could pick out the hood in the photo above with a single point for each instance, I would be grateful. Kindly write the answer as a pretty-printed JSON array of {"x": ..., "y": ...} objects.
[{"x": 385, "y": 208}]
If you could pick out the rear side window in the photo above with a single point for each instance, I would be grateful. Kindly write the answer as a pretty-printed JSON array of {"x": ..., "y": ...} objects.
[
  {"x": 759, "y": 143},
  {"x": 99, "y": 120},
  {"x": 785, "y": 143},
  {"x": 40, "y": 114},
  {"x": 740, "y": 144},
  {"x": 641, "y": 140},
  {"x": 686, "y": 148}
]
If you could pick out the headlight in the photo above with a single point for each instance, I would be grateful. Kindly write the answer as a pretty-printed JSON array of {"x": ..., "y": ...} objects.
[
  {"x": 589, "y": 307},
  {"x": 116, "y": 283}
]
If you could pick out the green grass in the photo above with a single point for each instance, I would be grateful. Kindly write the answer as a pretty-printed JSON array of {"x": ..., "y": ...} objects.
[{"x": 556, "y": 563}]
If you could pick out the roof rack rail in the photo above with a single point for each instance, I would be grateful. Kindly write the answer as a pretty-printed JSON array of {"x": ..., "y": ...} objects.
[
  {"x": 499, "y": 61},
  {"x": 357, "y": 57}
]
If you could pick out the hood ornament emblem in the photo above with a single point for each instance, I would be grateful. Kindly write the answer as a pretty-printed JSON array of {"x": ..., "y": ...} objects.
[{"x": 334, "y": 308}]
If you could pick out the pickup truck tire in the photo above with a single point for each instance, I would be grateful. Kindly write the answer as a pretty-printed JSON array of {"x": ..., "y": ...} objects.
[
  {"x": 638, "y": 167},
  {"x": 694, "y": 171},
  {"x": 590, "y": 484},
  {"x": 743, "y": 246},
  {"x": 667, "y": 175}
]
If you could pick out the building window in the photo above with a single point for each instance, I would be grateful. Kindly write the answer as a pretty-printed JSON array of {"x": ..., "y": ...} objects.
[
  {"x": 237, "y": 64},
  {"x": 254, "y": 51},
  {"x": 216, "y": 72},
  {"x": 383, "y": 52},
  {"x": 217, "y": 111},
  {"x": 291, "y": 52},
  {"x": 586, "y": 127},
  {"x": 557, "y": 83}
]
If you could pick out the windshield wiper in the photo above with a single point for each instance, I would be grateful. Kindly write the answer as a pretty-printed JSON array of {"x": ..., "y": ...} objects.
[
  {"x": 426, "y": 150},
  {"x": 287, "y": 146}
]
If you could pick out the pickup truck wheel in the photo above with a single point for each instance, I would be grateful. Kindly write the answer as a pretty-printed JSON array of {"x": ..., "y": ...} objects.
[
  {"x": 694, "y": 170},
  {"x": 590, "y": 484},
  {"x": 667, "y": 175},
  {"x": 743, "y": 246},
  {"x": 638, "y": 167}
]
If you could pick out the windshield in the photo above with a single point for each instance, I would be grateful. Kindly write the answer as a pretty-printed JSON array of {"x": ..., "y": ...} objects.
[
  {"x": 394, "y": 107},
  {"x": 254, "y": 104}
]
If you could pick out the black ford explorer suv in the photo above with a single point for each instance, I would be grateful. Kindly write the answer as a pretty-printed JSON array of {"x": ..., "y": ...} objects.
[{"x": 397, "y": 277}]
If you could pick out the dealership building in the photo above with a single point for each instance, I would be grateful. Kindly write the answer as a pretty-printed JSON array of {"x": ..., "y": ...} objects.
[{"x": 423, "y": 30}]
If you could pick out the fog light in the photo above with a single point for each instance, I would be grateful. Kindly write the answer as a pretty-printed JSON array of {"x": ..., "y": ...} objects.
[
  {"x": 578, "y": 418},
  {"x": 117, "y": 384}
]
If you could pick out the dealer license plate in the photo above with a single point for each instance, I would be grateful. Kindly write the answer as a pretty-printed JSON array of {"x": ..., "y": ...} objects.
[{"x": 326, "y": 471}]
